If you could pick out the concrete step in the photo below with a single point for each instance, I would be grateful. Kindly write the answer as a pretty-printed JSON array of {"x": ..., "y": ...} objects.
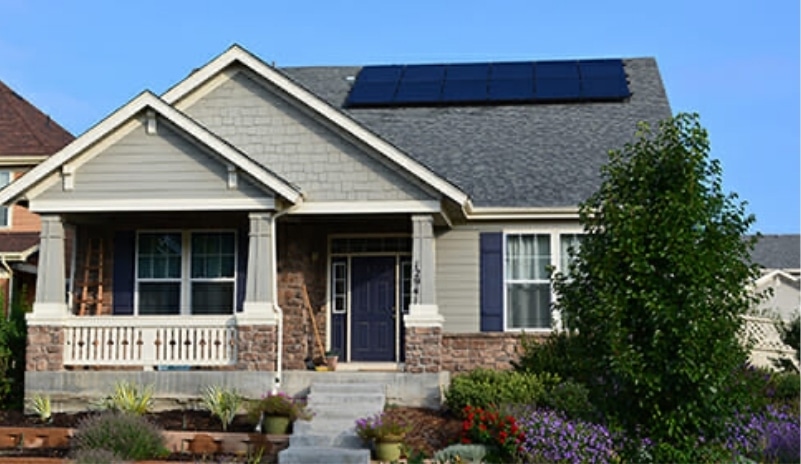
[
  {"x": 323, "y": 455},
  {"x": 355, "y": 410},
  {"x": 341, "y": 440},
  {"x": 323, "y": 398},
  {"x": 353, "y": 389},
  {"x": 324, "y": 426}
]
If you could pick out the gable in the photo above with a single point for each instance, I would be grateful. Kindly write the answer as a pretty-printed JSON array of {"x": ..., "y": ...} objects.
[
  {"x": 324, "y": 163},
  {"x": 162, "y": 170}
]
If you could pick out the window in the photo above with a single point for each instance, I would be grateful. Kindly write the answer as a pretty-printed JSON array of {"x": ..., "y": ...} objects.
[
  {"x": 186, "y": 272},
  {"x": 5, "y": 217},
  {"x": 566, "y": 242},
  {"x": 527, "y": 281}
]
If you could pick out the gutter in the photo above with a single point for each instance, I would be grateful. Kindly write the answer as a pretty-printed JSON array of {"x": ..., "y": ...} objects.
[
  {"x": 495, "y": 214},
  {"x": 278, "y": 310},
  {"x": 10, "y": 296}
]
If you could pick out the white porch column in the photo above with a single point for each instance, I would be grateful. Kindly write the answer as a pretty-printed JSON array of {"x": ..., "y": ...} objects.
[
  {"x": 258, "y": 306},
  {"x": 423, "y": 310},
  {"x": 51, "y": 289}
]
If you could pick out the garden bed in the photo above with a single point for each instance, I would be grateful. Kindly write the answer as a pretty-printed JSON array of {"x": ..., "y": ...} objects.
[{"x": 193, "y": 435}]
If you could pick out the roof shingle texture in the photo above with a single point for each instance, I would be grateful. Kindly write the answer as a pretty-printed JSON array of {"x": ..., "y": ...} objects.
[
  {"x": 17, "y": 242},
  {"x": 24, "y": 130},
  {"x": 535, "y": 155},
  {"x": 778, "y": 251}
]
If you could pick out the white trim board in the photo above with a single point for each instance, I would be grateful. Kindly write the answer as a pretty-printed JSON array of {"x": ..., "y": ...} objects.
[
  {"x": 194, "y": 204},
  {"x": 366, "y": 207}
]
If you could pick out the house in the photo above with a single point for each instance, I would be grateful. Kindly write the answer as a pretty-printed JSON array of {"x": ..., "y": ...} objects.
[
  {"x": 27, "y": 137},
  {"x": 252, "y": 217},
  {"x": 779, "y": 256}
]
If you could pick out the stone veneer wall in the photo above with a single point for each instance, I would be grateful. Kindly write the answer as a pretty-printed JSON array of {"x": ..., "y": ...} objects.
[
  {"x": 256, "y": 347},
  {"x": 45, "y": 348},
  {"x": 492, "y": 350},
  {"x": 301, "y": 260},
  {"x": 423, "y": 349}
]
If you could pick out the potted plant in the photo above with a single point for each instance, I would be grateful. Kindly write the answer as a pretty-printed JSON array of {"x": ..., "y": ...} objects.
[
  {"x": 275, "y": 411},
  {"x": 384, "y": 433},
  {"x": 331, "y": 357}
]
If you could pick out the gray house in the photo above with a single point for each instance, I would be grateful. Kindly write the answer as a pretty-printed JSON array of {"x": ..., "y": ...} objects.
[
  {"x": 780, "y": 259},
  {"x": 252, "y": 217}
]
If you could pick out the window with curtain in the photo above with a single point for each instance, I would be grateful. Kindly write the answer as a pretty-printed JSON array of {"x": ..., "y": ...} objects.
[
  {"x": 5, "y": 220},
  {"x": 528, "y": 289},
  {"x": 193, "y": 270},
  {"x": 566, "y": 242}
]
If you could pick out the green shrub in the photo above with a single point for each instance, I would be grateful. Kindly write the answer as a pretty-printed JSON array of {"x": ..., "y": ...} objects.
[
  {"x": 460, "y": 453},
  {"x": 128, "y": 436},
  {"x": 484, "y": 388},
  {"x": 222, "y": 403},
  {"x": 558, "y": 354},
  {"x": 572, "y": 399},
  {"x": 13, "y": 335},
  {"x": 130, "y": 398},
  {"x": 97, "y": 456},
  {"x": 786, "y": 388}
]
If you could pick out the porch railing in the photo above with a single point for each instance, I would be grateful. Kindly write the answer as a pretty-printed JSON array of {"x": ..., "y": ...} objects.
[
  {"x": 150, "y": 341},
  {"x": 767, "y": 342}
]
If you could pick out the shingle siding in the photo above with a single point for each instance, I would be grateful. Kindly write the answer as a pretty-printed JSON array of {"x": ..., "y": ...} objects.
[{"x": 298, "y": 147}]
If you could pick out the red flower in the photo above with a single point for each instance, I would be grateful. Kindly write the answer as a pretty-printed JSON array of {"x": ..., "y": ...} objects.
[
  {"x": 466, "y": 440},
  {"x": 482, "y": 427},
  {"x": 502, "y": 437}
]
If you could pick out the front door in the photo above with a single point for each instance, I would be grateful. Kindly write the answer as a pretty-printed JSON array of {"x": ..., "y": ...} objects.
[{"x": 373, "y": 308}]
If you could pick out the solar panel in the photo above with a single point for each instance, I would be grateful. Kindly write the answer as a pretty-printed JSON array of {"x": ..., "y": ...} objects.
[
  {"x": 490, "y": 83},
  {"x": 380, "y": 73},
  {"x": 477, "y": 71},
  {"x": 371, "y": 93},
  {"x": 504, "y": 71},
  {"x": 504, "y": 90},
  {"x": 557, "y": 89},
  {"x": 604, "y": 89},
  {"x": 601, "y": 68},
  {"x": 556, "y": 70},
  {"x": 418, "y": 92},
  {"x": 464, "y": 91},
  {"x": 424, "y": 72}
]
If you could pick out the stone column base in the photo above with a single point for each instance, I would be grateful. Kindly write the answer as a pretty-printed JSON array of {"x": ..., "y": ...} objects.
[
  {"x": 256, "y": 347},
  {"x": 423, "y": 349},
  {"x": 45, "y": 348}
]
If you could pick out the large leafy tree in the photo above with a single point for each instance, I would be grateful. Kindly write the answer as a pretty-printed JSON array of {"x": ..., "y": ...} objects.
[{"x": 655, "y": 294}]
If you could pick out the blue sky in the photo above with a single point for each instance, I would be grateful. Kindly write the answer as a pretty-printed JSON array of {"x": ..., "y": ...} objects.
[{"x": 735, "y": 63}]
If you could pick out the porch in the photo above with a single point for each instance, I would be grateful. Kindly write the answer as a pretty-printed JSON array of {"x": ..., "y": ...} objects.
[{"x": 234, "y": 291}]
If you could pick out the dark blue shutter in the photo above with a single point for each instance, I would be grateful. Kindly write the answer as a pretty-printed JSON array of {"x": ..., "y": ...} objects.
[
  {"x": 491, "y": 282},
  {"x": 243, "y": 243},
  {"x": 124, "y": 249}
]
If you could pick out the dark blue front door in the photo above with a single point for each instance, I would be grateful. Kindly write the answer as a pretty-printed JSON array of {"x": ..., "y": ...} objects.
[{"x": 373, "y": 309}]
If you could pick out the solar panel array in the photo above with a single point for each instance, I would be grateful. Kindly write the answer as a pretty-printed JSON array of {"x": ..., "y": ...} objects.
[{"x": 489, "y": 83}]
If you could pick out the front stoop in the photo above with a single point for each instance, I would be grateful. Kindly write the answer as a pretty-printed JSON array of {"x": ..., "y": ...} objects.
[{"x": 330, "y": 437}]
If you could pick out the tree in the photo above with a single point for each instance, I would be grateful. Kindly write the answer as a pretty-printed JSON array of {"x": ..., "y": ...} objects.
[{"x": 656, "y": 292}]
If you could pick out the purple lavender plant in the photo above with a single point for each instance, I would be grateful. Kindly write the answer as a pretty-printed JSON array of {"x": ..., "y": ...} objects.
[
  {"x": 550, "y": 437},
  {"x": 773, "y": 435}
]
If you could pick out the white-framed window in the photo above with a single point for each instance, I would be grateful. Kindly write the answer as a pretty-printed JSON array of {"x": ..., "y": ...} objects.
[
  {"x": 528, "y": 295},
  {"x": 185, "y": 272},
  {"x": 527, "y": 257},
  {"x": 5, "y": 212}
]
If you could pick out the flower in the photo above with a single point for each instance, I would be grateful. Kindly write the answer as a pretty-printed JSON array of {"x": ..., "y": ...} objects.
[
  {"x": 279, "y": 404},
  {"x": 381, "y": 428}
]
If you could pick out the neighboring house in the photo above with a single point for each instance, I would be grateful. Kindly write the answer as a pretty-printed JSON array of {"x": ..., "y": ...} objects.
[
  {"x": 780, "y": 259},
  {"x": 416, "y": 208},
  {"x": 27, "y": 137}
]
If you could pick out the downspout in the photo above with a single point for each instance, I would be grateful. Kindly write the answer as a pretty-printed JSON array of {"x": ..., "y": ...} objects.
[
  {"x": 10, "y": 296},
  {"x": 278, "y": 310}
]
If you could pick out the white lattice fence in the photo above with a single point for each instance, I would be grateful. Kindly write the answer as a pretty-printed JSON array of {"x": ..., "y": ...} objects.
[
  {"x": 150, "y": 341},
  {"x": 767, "y": 342}
]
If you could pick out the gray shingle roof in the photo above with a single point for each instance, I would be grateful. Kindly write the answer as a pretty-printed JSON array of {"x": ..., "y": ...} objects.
[
  {"x": 778, "y": 251},
  {"x": 511, "y": 155}
]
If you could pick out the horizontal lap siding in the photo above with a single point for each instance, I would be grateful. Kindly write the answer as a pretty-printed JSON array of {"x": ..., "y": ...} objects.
[
  {"x": 293, "y": 144},
  {"x": 159, "y": 166},
  {"x": 458, "y": 280}
]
